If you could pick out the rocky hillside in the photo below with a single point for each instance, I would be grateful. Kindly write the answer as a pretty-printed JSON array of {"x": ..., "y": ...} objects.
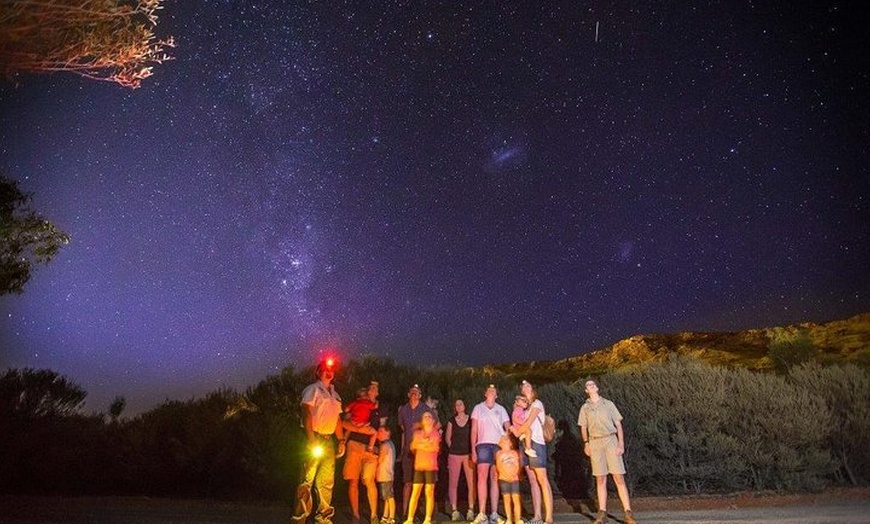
[{"x": 838, "y": 341}]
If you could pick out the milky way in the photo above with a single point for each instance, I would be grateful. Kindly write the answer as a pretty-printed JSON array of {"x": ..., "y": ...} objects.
[{"x": 446, "y": 182}]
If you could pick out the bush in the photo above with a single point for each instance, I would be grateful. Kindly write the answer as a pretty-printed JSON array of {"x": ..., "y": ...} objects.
[
  {"x": 694, "y": 428},
  {"x": 781, "y": 431},
  {"x": 845, "y": 390},
  {"x": 674, "y": 416},
  {"x": 788, "y": 349}
]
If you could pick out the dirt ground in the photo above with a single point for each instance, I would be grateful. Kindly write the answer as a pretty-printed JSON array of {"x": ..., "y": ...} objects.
[
  {"x": 831, "y": 496},
  {"x": 835, "y": 506}
]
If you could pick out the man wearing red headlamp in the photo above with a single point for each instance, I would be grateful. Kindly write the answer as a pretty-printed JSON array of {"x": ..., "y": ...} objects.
[{"x": 321, "y": 409}]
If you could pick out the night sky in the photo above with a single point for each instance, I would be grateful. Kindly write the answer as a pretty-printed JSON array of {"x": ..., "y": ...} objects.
[{"x": 445, "y": 182}]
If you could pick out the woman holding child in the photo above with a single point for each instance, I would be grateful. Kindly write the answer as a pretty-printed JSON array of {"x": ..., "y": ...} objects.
[{"x": 537, "y": 462}]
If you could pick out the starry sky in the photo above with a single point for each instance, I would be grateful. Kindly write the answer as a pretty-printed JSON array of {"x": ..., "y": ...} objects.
[{"x": 439, "y": 182}]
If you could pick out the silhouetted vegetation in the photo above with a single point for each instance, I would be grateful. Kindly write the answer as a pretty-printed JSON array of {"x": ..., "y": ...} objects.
[
  {"x": 692, "y": 427},
  {"x": 26, "y": 238}
]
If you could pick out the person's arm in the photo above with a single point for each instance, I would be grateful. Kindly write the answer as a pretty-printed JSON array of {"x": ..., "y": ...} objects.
[
  {"x": 400, "y": 423},
  {"x": 342, "y": 440},
  {"x": 620, "y": 448},
  {"x": 448, "y": 436},
  {"x": 474, "y": 440},
  {"x": 307, "y": 415},
  {"x": 527, "y": 424},
  {"x": 584, "y": 433},
  {"x": 426, "y": 442}
]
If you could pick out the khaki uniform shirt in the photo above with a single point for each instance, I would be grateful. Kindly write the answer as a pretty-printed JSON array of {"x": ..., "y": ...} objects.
[{"x": 599, "y": 418}]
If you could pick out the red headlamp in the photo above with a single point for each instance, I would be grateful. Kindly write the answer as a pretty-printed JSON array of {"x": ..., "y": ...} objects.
[{"x": 327, "y": 364}]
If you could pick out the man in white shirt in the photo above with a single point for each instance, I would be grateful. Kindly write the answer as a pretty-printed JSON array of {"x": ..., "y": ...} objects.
[{"x": 321, "y": 410}]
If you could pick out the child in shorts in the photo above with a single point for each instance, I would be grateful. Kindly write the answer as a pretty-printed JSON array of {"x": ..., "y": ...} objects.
[
  {"x": 425, "y": 444},
  {"x": 518, "y": 417},
  {"x": 384, "y": 475},
  {"x": 507, "y": 465}
]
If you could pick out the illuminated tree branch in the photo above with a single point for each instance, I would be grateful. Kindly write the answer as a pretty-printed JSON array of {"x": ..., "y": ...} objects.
[{"x": 109, "y": 40}]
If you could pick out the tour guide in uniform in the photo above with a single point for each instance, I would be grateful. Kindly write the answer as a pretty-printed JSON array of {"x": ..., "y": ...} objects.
[{"x": 321, "y": 409}]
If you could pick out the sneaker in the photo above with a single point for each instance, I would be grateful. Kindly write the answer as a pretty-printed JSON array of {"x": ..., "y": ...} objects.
[
  {"x": 375, "y": 520},
  {"x": 629, "y": 517},
  {"x": 601, "y": 517},
  {"x": 455, "y": 516},
  {"x": 320, "y": 519},
  {"x": 479, "y": 519},
  {"x": 494, "y": 518},
  {"x": 531, "y": 452},
  {"x": 470, "y": 515}
]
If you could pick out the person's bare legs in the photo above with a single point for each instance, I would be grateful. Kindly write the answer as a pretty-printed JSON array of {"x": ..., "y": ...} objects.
[
  {"x": 406, "y": 497},
  {"x": 412, "y": 504},
  {"x": 518, "y": 507},
  {"x": 493, "y": 489},
  {"x": 546, "y": 493},
  {"x": 469, "y": 480},
  {"x": 536, "y": 493},
  {"x": 430, "y": 501},
  {"x": 622, "y": 489},
  {"x": 353, "y": 495},
  {"x": 508, "y": 507},
  {"x": 482, "y": 481},
  {"x": 372, "y": 495},
  {"x": 454, "y": 468},
  {"x": 601, "y": 490}
]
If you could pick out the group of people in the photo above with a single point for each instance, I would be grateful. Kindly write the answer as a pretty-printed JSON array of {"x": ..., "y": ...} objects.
[{"x": 489, "y": 446}]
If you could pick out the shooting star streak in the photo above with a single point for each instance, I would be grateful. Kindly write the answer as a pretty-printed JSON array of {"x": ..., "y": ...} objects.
[{"x": 596, "y": 32}]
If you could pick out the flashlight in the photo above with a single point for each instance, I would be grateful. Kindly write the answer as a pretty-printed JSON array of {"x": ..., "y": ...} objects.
[{"x": 316, "y": 451}]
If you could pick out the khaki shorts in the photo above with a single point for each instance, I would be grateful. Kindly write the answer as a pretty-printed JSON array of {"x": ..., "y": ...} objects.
[
  {"x": 602, "y": 454},
  {"x": 358, "y": 462}
]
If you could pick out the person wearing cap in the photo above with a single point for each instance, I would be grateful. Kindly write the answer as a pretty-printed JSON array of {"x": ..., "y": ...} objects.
[
  {"x": 321, "y": 410},
  {"x": 408, "y": 420},
  {"x": 604, "y": 443},
  {"x": 489, "y": 421}
]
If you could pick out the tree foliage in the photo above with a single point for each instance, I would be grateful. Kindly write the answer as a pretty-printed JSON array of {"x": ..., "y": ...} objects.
[
  {"x": 29, "y": 394},
  {"x": 26, "y": 238},
  {"x": 110, "y": 40},
  {"x": 690, "y": 428},
  {"x": 790, "y": 348}
]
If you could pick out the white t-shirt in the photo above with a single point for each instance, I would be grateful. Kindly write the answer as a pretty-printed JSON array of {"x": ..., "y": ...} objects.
[
  {"x": 325, "y": 407},
  {"x": 490, "y": 422},
  {"x": 537, "y": 425},
  {"x": 386, "y": 458}
]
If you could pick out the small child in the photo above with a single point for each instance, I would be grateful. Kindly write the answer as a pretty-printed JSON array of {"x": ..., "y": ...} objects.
[
  {"x": 384, "y": 476},
  {"x": 518, "y": 417},
  {"x": 425, "y": 445},
  {"x": 507, "y": 465},
  {"x": 359, "y": 415}
]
